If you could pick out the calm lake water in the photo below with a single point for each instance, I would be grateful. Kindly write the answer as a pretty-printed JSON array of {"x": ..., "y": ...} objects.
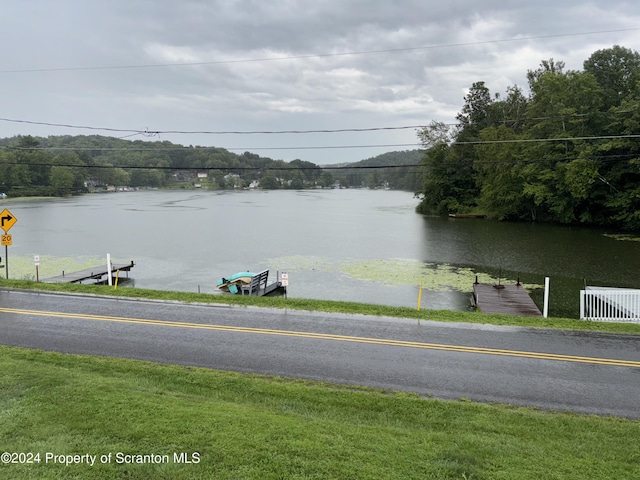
[{"x": 360, "y": 245}]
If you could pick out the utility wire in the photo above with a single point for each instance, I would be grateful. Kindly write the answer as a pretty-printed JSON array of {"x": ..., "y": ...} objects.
[
  {"x": 151, "y": 133},
  {"x": 209, "y": 132},
  {"x": 532, "y": 140},
  {"x": 313, "y": 55},
  {"x": 603, "y": 158},
  {"x": 164, "y": 149},
  {"x": 328, "y": 147}
]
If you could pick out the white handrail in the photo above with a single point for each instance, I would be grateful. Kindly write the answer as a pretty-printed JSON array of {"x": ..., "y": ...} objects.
[{"x": 610, "y": 305}]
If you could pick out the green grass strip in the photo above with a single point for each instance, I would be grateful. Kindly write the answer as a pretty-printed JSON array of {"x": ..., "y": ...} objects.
[
  {"x": 331, "y": 306},
  {"x": 255, "y": 427}
]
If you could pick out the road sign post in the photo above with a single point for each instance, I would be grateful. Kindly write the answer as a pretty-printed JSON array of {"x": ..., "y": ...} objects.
[
  {"x": 285, "y": 282},
  {"x": 36, "y": 262},
  {"x": 7, "y": 220}
]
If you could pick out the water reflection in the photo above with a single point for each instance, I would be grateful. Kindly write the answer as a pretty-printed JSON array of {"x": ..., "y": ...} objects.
[
  {"x": 570, "y": 256},
  {"x": 333, "y": 243}
]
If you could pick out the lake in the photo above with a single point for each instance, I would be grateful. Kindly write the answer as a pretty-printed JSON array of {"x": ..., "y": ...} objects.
[{"x": 350, "y": 244}]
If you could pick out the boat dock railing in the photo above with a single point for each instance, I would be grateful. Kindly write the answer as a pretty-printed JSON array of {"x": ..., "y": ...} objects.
[
  {"x": 258, "y": 283},
  {"x": 605, "y": 304}
]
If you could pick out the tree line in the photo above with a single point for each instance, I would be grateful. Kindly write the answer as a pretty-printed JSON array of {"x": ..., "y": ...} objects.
[
  {"x": 61, "y": 165},
  {"x": 399, "y": 170},
  {"x": 568, "y": 152}
]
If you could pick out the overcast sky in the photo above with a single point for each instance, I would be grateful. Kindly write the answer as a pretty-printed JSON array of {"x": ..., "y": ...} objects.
[{"x": 275, "y": 65}]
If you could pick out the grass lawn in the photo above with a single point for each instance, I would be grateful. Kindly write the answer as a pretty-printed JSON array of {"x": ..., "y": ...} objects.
[{"x": 245, "y": 426}]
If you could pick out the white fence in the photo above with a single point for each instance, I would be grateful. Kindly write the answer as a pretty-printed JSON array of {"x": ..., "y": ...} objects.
[{"x": 610, "y": 304}]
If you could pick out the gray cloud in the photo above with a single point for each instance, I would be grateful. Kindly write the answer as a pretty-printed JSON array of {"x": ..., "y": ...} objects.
[{"x": 463, "y": 42}]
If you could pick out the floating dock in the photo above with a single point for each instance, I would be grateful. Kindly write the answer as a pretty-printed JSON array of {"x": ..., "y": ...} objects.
[
  {"x": 95, "y": 274},
  {"x": 507, "y": 299}
]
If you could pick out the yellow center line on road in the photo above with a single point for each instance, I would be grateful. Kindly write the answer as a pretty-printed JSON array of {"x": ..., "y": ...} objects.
[{"x": 328, "y": 336}]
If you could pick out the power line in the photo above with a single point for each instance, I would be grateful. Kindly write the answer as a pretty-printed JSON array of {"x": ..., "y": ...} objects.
[
  {"x": 327, "y": 147},
  {"x": 164, "y": 149},
  {"x": 209, "y": 132},
  {"x": 603, "y": 158},
  {"x": 312, "y": 55},
  {"x": 533, "y": 140},
  {"x": 200, "y": 169},
  {"x": 151, "y": 133}
]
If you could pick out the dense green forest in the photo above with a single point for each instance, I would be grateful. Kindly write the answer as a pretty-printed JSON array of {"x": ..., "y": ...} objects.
[
  {"x": 568, "y": 152},
  {"x": 62, "y": 165}
]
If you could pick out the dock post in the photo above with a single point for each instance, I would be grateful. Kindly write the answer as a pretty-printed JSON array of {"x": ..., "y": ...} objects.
[
  {"x": 110, "y": 280},
  {"x": 545, "y": 308}
]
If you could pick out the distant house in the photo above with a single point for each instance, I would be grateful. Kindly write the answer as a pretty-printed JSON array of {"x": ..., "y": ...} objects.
[
  {"x": 202, "y": 175},
  {"x": 233, "y": 180},
  {"x": 181, "y": 176}
]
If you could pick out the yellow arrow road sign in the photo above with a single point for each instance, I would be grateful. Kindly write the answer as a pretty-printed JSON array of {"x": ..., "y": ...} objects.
[{"x": 7, "y": 220}]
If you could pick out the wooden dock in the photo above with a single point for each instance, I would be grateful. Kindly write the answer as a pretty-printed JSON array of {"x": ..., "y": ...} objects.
[
  {"x": 95, "y": 274},
  {"x": 507, "y": 299}
]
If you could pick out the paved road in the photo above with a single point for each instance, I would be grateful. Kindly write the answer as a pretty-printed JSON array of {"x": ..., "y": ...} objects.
[{"x": 582, "y": 372}]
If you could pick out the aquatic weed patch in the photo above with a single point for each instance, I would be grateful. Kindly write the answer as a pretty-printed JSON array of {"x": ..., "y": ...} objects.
[
  {"x": 626, "y": 237},
  {"x": 437, "y": 277},
  {"x": 23, "y": 267},
  {"x": 394, "y": 272}
]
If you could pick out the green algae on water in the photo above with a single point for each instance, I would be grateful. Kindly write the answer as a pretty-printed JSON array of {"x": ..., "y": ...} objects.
[
  {"x": 400, "y": 272},
  {"x": 395, "y": 272},
  {"x": 23, "y": 267},
  {"x": 626, "y": 237}
]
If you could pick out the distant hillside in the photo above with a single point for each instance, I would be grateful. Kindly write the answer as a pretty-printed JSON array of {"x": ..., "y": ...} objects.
[
  {"x": 399, "y": 170},
  {"x": 405, "y": 157},
  {"x": 58, "y": 165}
]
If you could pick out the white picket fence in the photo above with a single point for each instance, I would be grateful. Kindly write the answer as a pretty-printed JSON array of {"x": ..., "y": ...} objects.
[{"x": 605, "y": 304}]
